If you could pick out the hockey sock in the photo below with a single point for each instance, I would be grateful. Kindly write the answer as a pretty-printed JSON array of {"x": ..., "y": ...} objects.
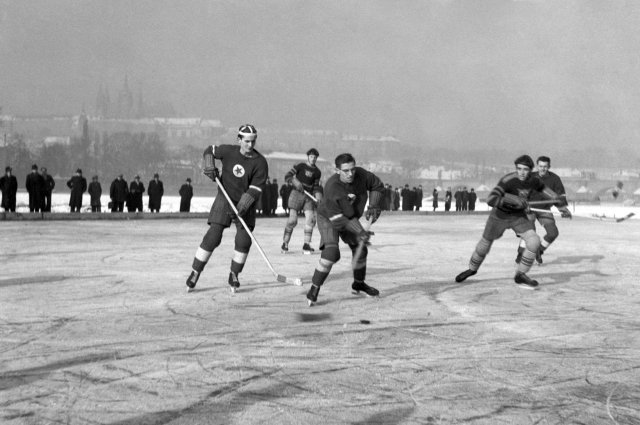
[
  {"x": 200, "y": 260},
  {"x": 319, "y": 277},
  {"x": 237, "y": 264},
  {"x": 526, "y": 262},
  {"x": 482, "y": 249},
  {"x": 287, "y": 236},
  {"x": 360, "y": 274},
  {"x": 307, "y": 235}
]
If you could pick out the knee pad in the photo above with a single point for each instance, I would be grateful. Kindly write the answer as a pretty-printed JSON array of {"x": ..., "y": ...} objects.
[
  {"x": 242, "y": 241},
  {"x": 324, "y": 265},
  {"x": 331, "y": 253},
  {"x": 483, "y": 247},
  {"x": 531, "y": 240},
  {"x": 212, "y": 238},
  {"x": 292, "y": 221},
  {"x": 309, "y": 219}
]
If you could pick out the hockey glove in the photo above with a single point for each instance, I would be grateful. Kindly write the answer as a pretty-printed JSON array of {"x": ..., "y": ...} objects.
[
  {"x": 297, "y": 184},
  {"x": 565, "y": 213},
  {"x": 318, "y": 196},
  {"x": 372, "y": 214},
  {"x": 514, "y": 202},
  {"x": 245, "y": 203},
  {"x": 213, "y": 173}
]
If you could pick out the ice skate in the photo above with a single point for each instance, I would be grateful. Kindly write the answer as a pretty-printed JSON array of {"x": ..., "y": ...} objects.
[
  {"x": 312, "y": 295},
  {"x": 525, "y": 281},
  {"x": 465, "y": 274},
  {"x": 192, "y": 280},
  {"x": 234, "y": 283},
  {"x": 356, "y": 287},
  {"x": 284, "y": 249},
  {"x": 306, "y": 249}
]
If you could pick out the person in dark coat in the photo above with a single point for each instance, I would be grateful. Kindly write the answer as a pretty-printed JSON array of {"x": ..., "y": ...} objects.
[
  {"x": 78, "y": 186},
  {"x": 155, "y": 191},
  {"x": 396, "y": 200},
  {"x": 407, "y": 201},
  {"x": 118, "y": 193},
  {"x": 465, "y": 199},
  {"x": 458, "y": 198},
  {"x": 447, "y": 199},
  {"x": 136, "y": 189},
  {"x": 186, "y": 193},
  {"x": 274, "y": 197},
  {"x": 417, "y": 202},
  {"x": 35, "y": 187},
  {"x": 388, "y": 198},
  {"x": 472, "y": 200},
  {"x": 49, "y": 185},
  {"x": 435, "y": 199},
  {"x": 95, "y": 191},
  {"x": 285, "y": 190},
  {"x": 266, "y": 198},
  {"x": 9, "y": 188}
]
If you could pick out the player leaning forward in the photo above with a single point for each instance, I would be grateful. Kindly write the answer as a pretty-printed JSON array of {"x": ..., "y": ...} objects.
[
  {"x": 304, "y": 177},
  {"x": 345, "y": 197},
  {"x": 510, "y": 207},
  {"x": 244, "y": 173}
]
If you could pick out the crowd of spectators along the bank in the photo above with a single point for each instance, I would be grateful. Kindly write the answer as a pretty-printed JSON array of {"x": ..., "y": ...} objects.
[{"x": 125, "y": 196}]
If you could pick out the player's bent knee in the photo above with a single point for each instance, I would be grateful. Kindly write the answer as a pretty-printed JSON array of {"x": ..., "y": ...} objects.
[
  {"x": 552, "y": 233},
  {"x": 324, "y": 265},
  {"x": 331, "y": 253},
  {"x": 531, "y": 240}
]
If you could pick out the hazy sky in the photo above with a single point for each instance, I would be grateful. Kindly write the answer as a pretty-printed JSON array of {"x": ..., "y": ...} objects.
[{"x": 446, "y": 72}]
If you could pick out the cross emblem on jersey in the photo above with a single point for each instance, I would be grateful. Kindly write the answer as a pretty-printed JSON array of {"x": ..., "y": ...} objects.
[{"x": 238, "y": 170}]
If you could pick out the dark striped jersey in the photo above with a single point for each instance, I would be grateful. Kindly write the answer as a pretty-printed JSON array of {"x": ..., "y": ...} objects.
[
  {"x": 308, "y": 175},
  {"x": 511, "y": 184},
  {"x": 347, "y": 200},
  {"x": 553, "y": 182},
  {"x": 240, "y": 173}
]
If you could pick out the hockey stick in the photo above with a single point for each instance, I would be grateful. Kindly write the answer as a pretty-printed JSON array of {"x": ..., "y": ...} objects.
[
  {"x": 280, "y": 278},
  {"x": 313, "y": 198},
  {"x": 591, "y": 216},
  {"x": 361, "y": 244},
  {"x": 545, "y": 202}
]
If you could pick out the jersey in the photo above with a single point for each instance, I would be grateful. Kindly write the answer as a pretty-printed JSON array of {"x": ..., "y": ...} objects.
[
  {"x": 553, "y": 182},
  {"x": 511, "y": 184},
  {"x": 239, "y": 174},
  {"x": 308, "y": 175},
  {"x": 344, "y": 201}
]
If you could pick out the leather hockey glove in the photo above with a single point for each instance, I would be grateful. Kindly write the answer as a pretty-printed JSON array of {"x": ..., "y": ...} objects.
[
  {"x": 318, "y": 196},
  {"x": 372, "y": 214},
  {"x": 297, "y": 184},
  {"x": 244, "y": 204},
  {"x": 565, "y": 213},
  {"x": 210, "y": 169},
  {"x": 212, "y": 173}
]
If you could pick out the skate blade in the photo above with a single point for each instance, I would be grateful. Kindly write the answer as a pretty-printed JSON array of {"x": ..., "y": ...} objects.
[
  {"x": 530, "y": 288},
  {"x": 364, "y": 293},
  {"x": 307, "y": 252},
  {"x": 233, "y": 290},
  {"x": 310, "y": 303},
  {"x": 189, "y": 290}
]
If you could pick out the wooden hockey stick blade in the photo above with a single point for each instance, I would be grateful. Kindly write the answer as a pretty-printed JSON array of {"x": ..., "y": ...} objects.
[
  {"x": 545, "y": 202},
  {"x": 618, "y": 220},
  {"x": 297, "y": 281}
]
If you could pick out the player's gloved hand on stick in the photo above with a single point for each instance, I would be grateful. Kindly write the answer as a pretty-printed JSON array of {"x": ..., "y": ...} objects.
[
  {"x": 297, "y": 185},
  {"x": 364, "y": 236},
  {"x": 244, "y": 204},
  {"x": 212, "y": 173},
  {"x": 318, "y": 196},
  {"x": 564, "y": 212},
  {"x": 372, "y": 214}
]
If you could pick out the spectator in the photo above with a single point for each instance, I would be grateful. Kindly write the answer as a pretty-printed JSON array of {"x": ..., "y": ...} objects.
[
  {"x": 186, "y": 193},
  {"x": 156, "y": 190},
  {"x": 447, "y": 199},
  {"x": 285, "y": 190},
  {"x": 118, "y": 193},
  {"x": 465, "y": 199},
  {"x": 95, "y": 192},
  {"x": 435, "y": 199},
  {"x": 418, "y": 198},
  {"x": 9, "y": 188},
  {"x": 49, "y": 185},
  {"x": 472, "y": 200},
  {"x": 35, "y": 187},
  {"x": 78, "y": 186},
  {"x": 458, "y": 198},
  {"x": 136, "y": 189}
]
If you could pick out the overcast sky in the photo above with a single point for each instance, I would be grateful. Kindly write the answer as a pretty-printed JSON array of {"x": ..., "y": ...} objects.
[{"x": 444, "y": 72}]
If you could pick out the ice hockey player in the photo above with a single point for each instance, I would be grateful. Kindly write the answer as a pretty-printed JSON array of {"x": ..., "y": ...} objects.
[
  {"x": 304, "y": 177},
  {"x": 244, "y": 173},
  {"x": 553, "y": 182},
  {"x": 510, "y": 207},
  {"x": 345, "y": 198}
]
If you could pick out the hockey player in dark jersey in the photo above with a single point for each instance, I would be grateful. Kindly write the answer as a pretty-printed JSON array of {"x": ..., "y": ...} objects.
[
  {"x": 304, "y": 177},
  {"x": 345, "y": 197},
  {"x": 244, "y": 173},
  {"x": 510, "y": 207},
  {"x": 553, "y": 182}
]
